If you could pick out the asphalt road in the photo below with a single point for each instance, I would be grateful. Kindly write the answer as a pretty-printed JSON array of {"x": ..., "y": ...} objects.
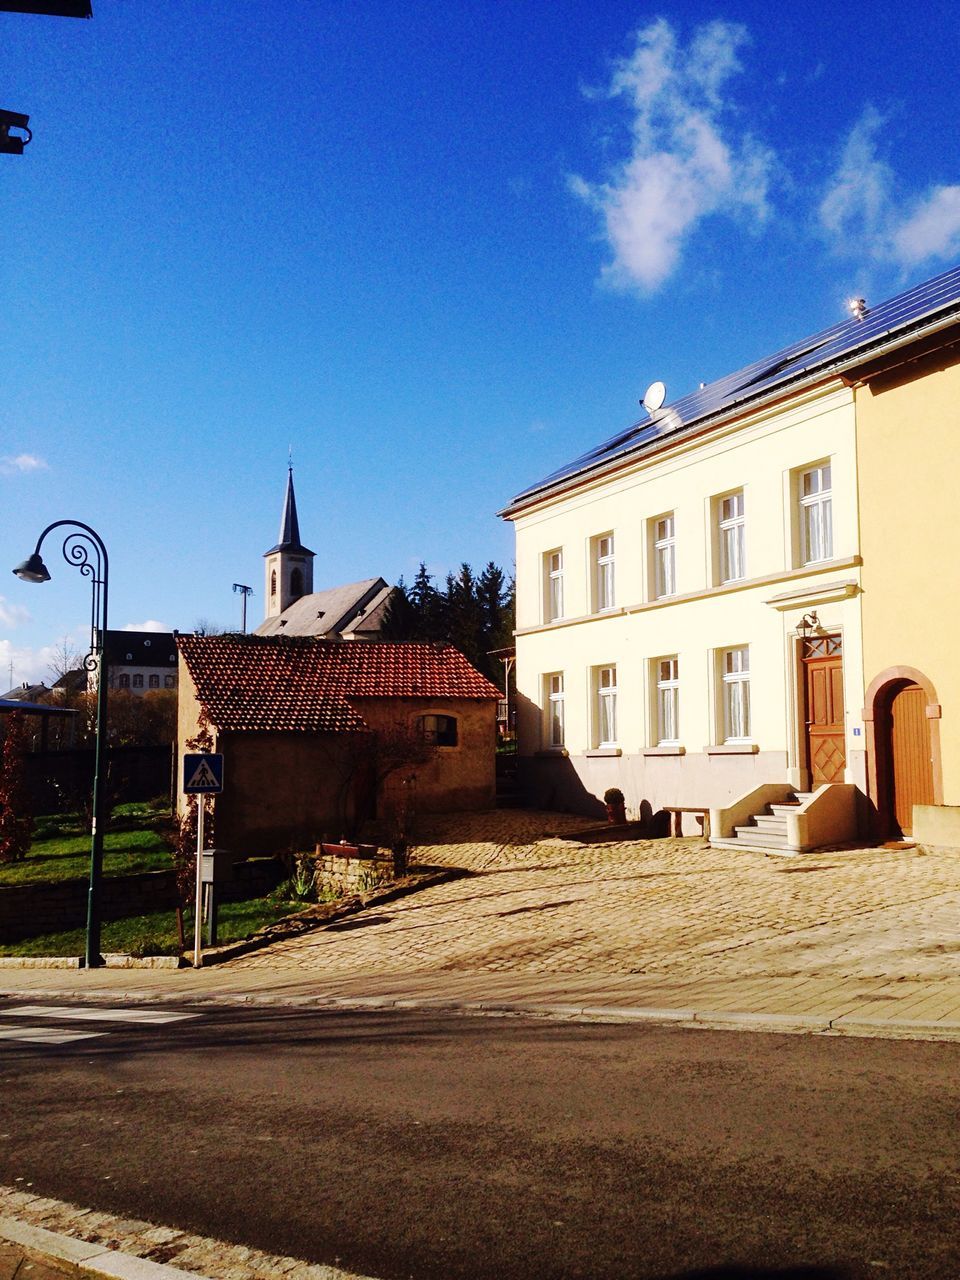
[{"x": 435, "y": 1147}]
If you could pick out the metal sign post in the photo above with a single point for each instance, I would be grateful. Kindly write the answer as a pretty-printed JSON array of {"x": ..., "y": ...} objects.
[
  {"x": 198, "y": 905},
  {"x": 202, "y": 776}
]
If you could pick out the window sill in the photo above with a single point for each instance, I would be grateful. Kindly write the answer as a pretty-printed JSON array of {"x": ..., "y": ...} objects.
[
  {"x": 732, "y": 749},
  {"x": 552, "y": 753},
  {"x": 603, "y": 751},
  {"x": 672, "y": 750}
]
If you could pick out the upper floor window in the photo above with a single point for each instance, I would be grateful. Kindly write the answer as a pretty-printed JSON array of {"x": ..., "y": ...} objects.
[
  {"x": 815, "y": 495},
  {"x": 668, "y": 700},
  {"x": 168, "y": 682},
  {"x": 664, "y": 557},
  {"x": 273, "y": 583},
  {"x": 604, "y": 587},
  {"x": 731, "y": 528},
  {"x": 154, "y": 682},
  {"x": 735, "y": 679},
  {"x": 439, "y": 731},
  {"x": 123, "y": 682},
  {"x": 296, "y": 583},
  {"x": 606, "y": 706},
  {"x": 553, "y": 585},
  {"x": 138, "y": 682},
  {"x": 553, "y": 684}
]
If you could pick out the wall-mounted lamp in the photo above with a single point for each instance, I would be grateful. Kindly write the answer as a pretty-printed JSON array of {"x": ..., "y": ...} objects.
[{"x": 808, "y": 625}]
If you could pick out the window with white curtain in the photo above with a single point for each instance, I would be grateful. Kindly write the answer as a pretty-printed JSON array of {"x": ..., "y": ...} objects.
[{"x": 735, "y": 683}]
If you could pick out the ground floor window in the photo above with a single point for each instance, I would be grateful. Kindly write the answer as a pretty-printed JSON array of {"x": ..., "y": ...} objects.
[
  {"x": 735, "y": 679},
  {"x": 606, "y": 686},
  {"x": 554, "y": 706},
  {"x": 668, "y": 700}
]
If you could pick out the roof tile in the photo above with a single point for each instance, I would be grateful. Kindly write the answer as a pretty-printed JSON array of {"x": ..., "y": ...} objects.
[{"x": 302, "y": 684}]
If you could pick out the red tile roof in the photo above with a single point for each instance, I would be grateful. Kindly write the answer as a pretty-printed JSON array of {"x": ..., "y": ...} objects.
[{"x": 294, "y": 683}]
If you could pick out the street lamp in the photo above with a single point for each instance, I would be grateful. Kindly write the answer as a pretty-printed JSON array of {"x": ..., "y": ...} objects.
[{"x": 86, "y": 552}]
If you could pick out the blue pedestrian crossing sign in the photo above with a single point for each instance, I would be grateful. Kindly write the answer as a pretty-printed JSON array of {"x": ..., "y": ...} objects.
[{"x": 203, "y": 774}]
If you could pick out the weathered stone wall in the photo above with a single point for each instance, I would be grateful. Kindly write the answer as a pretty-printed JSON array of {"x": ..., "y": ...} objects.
[{"x": 351, "y": 871}]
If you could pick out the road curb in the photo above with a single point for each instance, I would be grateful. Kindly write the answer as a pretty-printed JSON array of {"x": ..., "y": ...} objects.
[
  {"x": 51, "y": 1246},
  {"x": 846, "y": 1024}
]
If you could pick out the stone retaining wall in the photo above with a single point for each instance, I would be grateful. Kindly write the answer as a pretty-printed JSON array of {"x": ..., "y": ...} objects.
[{"x": 344, "y": 869}]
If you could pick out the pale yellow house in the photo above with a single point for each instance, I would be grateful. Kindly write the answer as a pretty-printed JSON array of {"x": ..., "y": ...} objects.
[
  {"x": 690, "y": 599},
  {"x": 908, "y": 446}
]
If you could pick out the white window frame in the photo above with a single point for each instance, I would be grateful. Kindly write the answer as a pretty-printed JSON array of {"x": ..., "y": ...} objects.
[
  {"x": 734, "y": 669},
  {"x": 605, "y": 689},
  {"x": 604, "y": 573},
  {"x": 664, "y": 556},
  {"x": 815, "y": 513},
  {"x": 731, "y": 536},
  {"x": 553, "y": 585},
  {"x": 554, "y": 707},
  {"x": 666, "y": 683}
]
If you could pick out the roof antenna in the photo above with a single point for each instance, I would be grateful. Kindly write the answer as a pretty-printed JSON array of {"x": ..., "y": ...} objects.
[{"x": 858, "y": 308}]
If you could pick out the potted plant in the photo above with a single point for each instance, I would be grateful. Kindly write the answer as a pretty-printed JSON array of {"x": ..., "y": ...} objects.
[{"x": 616, "y": 806}]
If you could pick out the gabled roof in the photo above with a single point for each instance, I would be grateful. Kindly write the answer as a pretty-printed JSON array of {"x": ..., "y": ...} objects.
[
  {"x": 301, "y": 684},
  {"x": 924, "y": 309},
  {"x": 140, "y": 649},
  {"x": 289, "y": 539},
  {"x": 329, "y": 613}
]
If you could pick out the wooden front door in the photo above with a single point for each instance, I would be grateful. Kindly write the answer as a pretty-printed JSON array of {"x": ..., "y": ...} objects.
[
  {"x": 911, "y": 765},
  {"x": 823, "y": 681}
]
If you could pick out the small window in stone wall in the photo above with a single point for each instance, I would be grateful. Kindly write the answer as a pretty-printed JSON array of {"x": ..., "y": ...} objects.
[{"x": 440, "y": 731}]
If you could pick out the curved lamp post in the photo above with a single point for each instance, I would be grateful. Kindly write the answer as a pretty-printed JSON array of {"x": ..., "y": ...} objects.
[{"x": 86, "y": 552}]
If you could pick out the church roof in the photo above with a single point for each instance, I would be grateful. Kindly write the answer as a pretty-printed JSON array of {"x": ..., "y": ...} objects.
[
  {"x": 289, "y": 524},
  {"x": 300, "y": 684},
  {"x": 353, "y": 607}
]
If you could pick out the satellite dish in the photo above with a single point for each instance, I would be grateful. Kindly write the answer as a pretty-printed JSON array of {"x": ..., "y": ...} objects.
[{"x": 654, "y": 397}]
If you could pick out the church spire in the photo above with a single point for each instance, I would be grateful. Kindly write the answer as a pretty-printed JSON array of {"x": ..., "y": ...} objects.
[
  {"x": 289, "y": 565},
  {"x": 289, "y": 539}
]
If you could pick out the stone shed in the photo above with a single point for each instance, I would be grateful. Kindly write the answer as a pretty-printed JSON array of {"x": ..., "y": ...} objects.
[{"x": 317, "y": 735}]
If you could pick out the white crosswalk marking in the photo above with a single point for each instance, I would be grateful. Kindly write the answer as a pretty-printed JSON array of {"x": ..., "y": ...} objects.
[
  {"x": 46, "y": 1035},
  {"x": 93, "y": 1014},
  {"x": 51, "y": 1035}
]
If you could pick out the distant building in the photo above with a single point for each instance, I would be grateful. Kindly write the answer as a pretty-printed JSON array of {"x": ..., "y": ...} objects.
[
  {"x": 140, "y": 661},
  {"x": 355, "y": 611}
]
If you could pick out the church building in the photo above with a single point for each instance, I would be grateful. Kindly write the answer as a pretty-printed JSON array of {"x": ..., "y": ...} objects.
[{"x": 353, "y": 611}]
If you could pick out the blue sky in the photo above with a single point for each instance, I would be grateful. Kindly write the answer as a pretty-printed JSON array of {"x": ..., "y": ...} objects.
[{"x": 438, "y": 249}]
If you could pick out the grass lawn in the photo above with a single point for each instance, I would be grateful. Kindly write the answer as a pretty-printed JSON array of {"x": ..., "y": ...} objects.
[
  {"x": 156, "y": 934},
  {"x": 133, "y": 841}
]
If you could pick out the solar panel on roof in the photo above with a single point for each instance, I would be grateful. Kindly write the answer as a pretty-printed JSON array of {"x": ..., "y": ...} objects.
[{"x": 829, "y": 349}]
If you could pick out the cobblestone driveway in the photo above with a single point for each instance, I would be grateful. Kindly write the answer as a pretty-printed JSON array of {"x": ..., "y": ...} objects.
[{"x": 541, "y": 903}]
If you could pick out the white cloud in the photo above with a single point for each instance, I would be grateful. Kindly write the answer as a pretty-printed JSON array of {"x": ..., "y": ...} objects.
[
  {"x": 151, "y": 624},
  {"x": 12, "y": 615},
  {"x": 932, "y": 229},
  {"x": 686, "y": 161},
  {"x": 860, "y": 213},
  {"x": 21, "y": 462}
]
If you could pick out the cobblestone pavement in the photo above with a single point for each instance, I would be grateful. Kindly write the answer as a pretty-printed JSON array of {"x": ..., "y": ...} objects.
[{"x": 541, "y": 902}]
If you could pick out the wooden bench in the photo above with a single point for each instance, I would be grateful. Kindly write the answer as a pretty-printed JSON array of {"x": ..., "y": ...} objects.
[{"x": 677, "y": 811}]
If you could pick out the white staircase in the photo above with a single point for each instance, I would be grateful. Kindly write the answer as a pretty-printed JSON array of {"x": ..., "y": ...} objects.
[
  {"x": 775, "y": 819},
  {"x": 766, "y": 831}
]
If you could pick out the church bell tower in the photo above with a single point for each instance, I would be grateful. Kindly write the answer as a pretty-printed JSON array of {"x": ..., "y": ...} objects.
[{"x": 289, "y": 565}]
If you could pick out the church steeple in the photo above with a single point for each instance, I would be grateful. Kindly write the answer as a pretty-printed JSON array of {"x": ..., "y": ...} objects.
[{"x": 289, "y": 565}]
